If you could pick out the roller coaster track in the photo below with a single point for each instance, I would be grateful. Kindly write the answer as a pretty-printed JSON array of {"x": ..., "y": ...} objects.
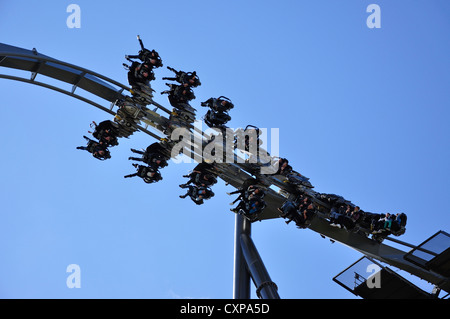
[{"x": 232, "y": 173}]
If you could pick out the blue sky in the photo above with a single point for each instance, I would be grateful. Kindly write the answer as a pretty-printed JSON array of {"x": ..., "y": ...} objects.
[{"x": 362, "y": 112}]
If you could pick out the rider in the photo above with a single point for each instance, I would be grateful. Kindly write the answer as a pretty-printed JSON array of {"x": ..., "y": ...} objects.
[
  {"x": 252, "y": 201},
  {"x": 105, "y": 132},
  {"x": 179, "y": 94},
  {"x": 153, "y": 156},
  {"x": 243, "y": 191},
  {"x": 140, "y": 74},
  {"x": 97, "y": 149},
  {"x": 147, "y": 173},
  {"x": 152, "y": 57},
  {"x": 201, "y": 175},
  {"x": 189, "y": 78},
  {"x": 197, "y": 193},
  {"x": 220, "y": 104},
  {"x": 217, "y": 115},
  {"x": 283, "y": 167},
  {"x": 216, "y": 119}
]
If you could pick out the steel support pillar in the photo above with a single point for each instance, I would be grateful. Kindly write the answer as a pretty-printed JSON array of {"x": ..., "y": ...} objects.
[
  {"x": 241, "y": 276},
  {"x": 249, "y": 265},
  {"x": 265, "y": 287}
]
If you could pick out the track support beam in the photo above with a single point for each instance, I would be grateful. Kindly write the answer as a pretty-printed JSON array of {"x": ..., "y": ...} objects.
[
  {"x": 241, "y": 276},
  {"x": 265, "y": 287}
]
